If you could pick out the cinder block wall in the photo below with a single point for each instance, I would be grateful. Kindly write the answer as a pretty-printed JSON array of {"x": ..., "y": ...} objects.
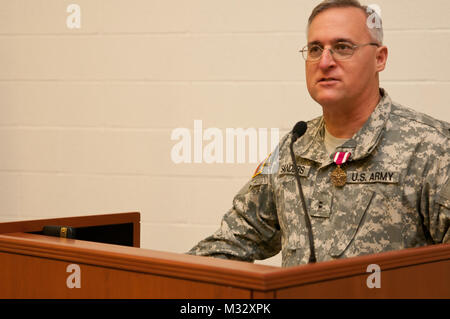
[{"x": 86, "y": 114}]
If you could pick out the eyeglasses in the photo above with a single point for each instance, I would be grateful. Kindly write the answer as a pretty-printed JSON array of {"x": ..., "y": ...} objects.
[{"x": 339, "y": 50}]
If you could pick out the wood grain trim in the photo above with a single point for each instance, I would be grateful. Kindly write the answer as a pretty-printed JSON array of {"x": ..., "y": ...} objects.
[
  {"x": 265, "y": 279},
  {"x": 311, "y": 273},
  {"x": 202, "y": 269}
]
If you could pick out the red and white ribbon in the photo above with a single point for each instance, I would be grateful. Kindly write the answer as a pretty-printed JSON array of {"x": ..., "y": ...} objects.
[{"x": 341, "y": 157}]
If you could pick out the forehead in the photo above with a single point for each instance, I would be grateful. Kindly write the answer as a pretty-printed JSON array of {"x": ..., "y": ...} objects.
[{"x": 339, "y": 23}]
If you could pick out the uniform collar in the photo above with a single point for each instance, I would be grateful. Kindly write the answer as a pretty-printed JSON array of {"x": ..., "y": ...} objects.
[{"x": 311, "y": 145}]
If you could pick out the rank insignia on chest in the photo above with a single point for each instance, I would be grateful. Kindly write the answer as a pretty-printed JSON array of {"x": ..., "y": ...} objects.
[{"x": 339, "y": 176}]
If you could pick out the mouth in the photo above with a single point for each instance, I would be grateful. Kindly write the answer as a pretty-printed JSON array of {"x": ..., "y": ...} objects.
[{"x": 327, "y": 79}]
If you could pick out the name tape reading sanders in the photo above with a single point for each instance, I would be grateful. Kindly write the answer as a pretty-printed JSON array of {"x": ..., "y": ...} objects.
[{"x": 289, "y": 169}]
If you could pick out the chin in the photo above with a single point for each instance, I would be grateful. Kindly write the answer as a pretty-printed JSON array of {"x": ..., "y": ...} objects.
[{"x": 324, "y": 98}]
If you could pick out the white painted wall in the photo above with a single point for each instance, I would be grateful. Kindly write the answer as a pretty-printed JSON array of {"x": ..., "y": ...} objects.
[{"x": 86, "y": 114}]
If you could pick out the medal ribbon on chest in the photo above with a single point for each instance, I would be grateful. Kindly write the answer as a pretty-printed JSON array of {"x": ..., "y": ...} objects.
[{"x": 339, "y": 176}]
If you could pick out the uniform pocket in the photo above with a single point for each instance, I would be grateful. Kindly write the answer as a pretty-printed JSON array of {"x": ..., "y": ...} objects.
[
  {"x": 443, "y": 197},
  {"x": 255, "y": 184},
  {"x": 290, "y": 213},
  {"x": 346, "y": 219}
]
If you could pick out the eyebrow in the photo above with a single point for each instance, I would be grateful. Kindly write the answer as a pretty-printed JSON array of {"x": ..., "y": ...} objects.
[{"x": 333, "y": 41}]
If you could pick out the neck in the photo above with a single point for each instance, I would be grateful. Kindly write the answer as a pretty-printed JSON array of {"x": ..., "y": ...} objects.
[{"x": 346, "y": 118}]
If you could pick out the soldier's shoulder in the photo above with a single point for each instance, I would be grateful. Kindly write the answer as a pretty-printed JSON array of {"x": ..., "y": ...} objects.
[{"x": 420, "y": 120}]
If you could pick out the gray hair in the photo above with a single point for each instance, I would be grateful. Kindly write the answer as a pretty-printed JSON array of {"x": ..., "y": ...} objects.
[{"x": 376, "y": 30}]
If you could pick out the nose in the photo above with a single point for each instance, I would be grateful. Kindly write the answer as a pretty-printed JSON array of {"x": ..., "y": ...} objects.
[{"x": 326, "y": 60}]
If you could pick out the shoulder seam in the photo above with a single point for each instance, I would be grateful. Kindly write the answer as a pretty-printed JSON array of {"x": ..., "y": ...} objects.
[{"x": 438, "y": 130}]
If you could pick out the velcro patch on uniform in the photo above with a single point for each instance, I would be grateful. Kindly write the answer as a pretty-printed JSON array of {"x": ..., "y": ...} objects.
[
  {"x": 289, "y": 169},
  {"x": 373, "y": 177},
  {"x": 260, "y": 180}
]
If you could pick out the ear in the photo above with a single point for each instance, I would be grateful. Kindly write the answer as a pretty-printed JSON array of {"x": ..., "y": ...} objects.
[{"x": 381, "y": 58}]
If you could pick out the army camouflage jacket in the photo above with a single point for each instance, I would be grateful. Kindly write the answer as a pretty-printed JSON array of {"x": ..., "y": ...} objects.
[{"x": 397, "y": 194}]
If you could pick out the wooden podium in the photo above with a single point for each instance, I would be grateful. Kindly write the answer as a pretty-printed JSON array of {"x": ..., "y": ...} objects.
[{"x": 106, "y": 262}]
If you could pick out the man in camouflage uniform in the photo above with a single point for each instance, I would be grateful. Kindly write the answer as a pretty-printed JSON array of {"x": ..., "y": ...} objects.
[{"x": 396, "y": 193}]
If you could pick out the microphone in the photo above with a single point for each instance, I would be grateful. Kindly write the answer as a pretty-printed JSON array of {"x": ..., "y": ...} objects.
[
  {"x": 297, "y": 132},
  {"x": 59, "y": 231}
]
